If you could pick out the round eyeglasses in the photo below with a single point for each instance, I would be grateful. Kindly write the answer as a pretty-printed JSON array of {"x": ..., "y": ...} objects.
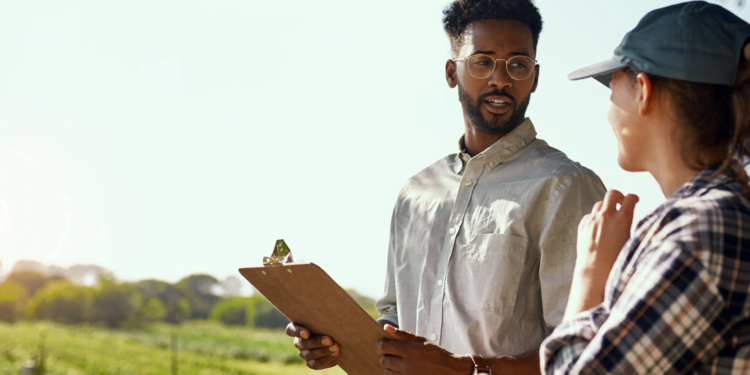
[{"x": 482, "y": 66}]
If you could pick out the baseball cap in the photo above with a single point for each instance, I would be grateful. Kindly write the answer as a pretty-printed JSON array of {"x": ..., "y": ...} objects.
[{"x": 694, "y": 41}]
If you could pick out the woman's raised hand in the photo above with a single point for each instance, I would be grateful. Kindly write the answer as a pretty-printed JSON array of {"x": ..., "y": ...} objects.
[{"x": 601, "y": 236}]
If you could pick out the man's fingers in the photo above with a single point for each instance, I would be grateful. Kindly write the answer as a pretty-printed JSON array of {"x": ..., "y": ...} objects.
[
  {"x": 628, "y": 204},
  {"x": 611, "y": 199},
  {"x": 401, "y": 335},
  {"x": 294, "y": 330},
  {"x": 597, "y": 207},
  {"x": 395, "y": 347},
  {"x": 314, "y": 342},
  {"x": 321, "y": 363},
  {"x": 392, "y": 363},
  {"x": 290, "y": 330},
  {"x": 319, "y": 353}
]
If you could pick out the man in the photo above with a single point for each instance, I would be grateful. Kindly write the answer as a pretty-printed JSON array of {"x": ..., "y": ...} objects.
[{"x": 482, "y": 243}]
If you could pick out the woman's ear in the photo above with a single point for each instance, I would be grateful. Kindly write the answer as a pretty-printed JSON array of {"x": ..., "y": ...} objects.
[
  {"x": 746, "y": 51},
  {"x": 450, "y": 73},
  {"x": 645, "y": 93}
]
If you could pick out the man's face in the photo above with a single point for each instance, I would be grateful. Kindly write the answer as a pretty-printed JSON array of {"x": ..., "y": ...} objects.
[{"x": 496, "y": 104}]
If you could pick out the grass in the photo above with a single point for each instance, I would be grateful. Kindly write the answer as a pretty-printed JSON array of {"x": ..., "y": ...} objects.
[{"x": 205, "y": 348}]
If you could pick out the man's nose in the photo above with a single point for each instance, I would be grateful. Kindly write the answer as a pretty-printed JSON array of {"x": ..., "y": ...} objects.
[{"x": 500, "y": 77}]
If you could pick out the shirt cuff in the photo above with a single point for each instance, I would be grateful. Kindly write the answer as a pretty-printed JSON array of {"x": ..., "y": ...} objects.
[
  {"x": 561, "y": 349},
  {"x": 389, "y": 318}
]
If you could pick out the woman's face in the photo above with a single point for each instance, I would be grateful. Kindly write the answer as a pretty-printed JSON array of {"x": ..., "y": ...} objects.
[{"x": 632, "y": 137}]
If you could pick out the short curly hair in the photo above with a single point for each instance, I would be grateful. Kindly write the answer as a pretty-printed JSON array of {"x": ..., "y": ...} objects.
[{"x": 459, "y": 14}]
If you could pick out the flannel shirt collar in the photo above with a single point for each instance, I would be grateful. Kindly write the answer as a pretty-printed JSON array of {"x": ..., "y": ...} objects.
[
  {"x": 699, "y": 185},
  {"x": 501, "y": 150}
]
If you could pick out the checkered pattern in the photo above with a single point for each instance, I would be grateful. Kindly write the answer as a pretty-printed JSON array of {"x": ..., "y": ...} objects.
[{"x": 676, "y": 301}]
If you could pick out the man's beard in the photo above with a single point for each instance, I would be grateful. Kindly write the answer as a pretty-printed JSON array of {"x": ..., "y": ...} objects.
[{"x": 495, "y": 125}]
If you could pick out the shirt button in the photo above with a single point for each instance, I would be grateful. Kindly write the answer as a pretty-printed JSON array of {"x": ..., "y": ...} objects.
[
  {"x": 491, "y": 164},
  {"x": 433, "y": 337},
  {"x": 452, "y": 231},
  {"x": 465, "y": 157},
  {"x": 440, "y": 282},
  {"x": 467, "y": 183}
]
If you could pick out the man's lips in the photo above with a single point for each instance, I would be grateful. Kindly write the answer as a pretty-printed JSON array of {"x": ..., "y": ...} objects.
[{"x": 498, "y": 105}]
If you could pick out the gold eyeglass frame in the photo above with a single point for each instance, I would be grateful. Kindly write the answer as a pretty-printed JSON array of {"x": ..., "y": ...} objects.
[{"x": 495, "y": 61}]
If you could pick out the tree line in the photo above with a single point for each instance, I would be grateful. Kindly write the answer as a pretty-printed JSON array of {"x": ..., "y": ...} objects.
[{"x": 30, "y": 295}]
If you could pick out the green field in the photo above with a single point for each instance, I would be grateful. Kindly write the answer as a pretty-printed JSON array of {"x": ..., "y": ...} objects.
[{"x": 203, "y": 348}]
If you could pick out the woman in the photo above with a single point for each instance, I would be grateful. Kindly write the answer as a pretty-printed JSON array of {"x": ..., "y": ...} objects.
[{"x": 677, "y": 299}]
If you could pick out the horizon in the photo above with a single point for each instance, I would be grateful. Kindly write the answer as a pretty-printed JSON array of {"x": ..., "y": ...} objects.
[{"x": 89, "y": 275}]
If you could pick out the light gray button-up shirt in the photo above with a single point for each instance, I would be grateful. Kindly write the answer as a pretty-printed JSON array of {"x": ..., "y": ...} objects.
[{"x": 482, "y": 249}]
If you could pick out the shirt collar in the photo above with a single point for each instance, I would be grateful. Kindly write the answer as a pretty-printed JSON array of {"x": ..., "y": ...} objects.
[
  {"x": 501, "y": 150},
  {"x": 699, "y": 185},
  {"x": 704, "y": 181}
]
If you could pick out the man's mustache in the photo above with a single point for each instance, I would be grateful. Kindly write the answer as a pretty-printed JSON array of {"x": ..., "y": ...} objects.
[{"x": 497, "y": 92}]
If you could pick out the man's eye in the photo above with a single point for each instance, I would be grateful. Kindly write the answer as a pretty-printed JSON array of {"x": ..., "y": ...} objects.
[
  {"x": 518, "y": 66},
  {"x": 481, "y": 62}
]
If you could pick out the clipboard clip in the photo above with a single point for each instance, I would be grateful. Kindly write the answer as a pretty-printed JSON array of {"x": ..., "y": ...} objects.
[{"x": 281, "y": 255}]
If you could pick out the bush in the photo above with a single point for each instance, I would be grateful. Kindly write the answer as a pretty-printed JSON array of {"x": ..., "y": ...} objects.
[
  {"x": 267, "y": 316},
  {"x": 199, "y": 290},
  {"x": 231, "y": 311},
  {"x": 114, "y": 303},
  {"x": 12, "y": 301},
  {"x": 182, "y": 311},
  {"x": 254, "y": 311},
  {"x": 173, "y": 299},
  {"x": 153, "y": 311},
  {"x": 61, "y": 301},
  {"x": 32, "y": 281}
]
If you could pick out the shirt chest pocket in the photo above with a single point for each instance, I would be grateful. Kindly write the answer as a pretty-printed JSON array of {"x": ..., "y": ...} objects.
[{"x": 487, "y": 272}]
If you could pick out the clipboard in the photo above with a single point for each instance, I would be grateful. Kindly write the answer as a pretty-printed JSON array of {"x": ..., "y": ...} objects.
[{"x": 307, "y": 296}]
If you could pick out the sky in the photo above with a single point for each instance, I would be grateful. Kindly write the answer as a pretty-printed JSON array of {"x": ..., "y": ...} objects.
[{"x": 164, "y": 138}]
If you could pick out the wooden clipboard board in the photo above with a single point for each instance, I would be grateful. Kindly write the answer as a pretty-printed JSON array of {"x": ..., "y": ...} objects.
[{"x": 307, "y": 296}]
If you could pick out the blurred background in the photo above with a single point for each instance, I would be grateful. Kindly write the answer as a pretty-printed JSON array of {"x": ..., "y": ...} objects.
[{"x": 149, "y": 149}]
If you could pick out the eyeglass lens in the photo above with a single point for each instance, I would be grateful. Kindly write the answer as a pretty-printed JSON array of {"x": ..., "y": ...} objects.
[{"x": 482, "y": 66}]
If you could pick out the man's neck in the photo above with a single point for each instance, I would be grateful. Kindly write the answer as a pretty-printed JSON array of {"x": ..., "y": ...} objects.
[{"x": 476, "y": 141}]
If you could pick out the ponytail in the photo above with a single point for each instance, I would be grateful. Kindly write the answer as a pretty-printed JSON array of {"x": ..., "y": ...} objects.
[{"x": 739, "y": 150}]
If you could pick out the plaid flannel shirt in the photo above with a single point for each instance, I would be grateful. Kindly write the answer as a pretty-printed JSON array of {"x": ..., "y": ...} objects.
[{"x": 676, "y": 300}]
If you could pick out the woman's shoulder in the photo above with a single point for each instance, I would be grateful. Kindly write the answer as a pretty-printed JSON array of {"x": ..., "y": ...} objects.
[
  {"x": 720, "y": 206},
  {"x": 713, "y": 227}
]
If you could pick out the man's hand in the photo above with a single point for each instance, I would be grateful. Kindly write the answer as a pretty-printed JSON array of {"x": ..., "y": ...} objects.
[
  {"x": 601, "y": 236},
  {"x": 408, "y": 353},
  {"x": 319, "y": 352}
]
